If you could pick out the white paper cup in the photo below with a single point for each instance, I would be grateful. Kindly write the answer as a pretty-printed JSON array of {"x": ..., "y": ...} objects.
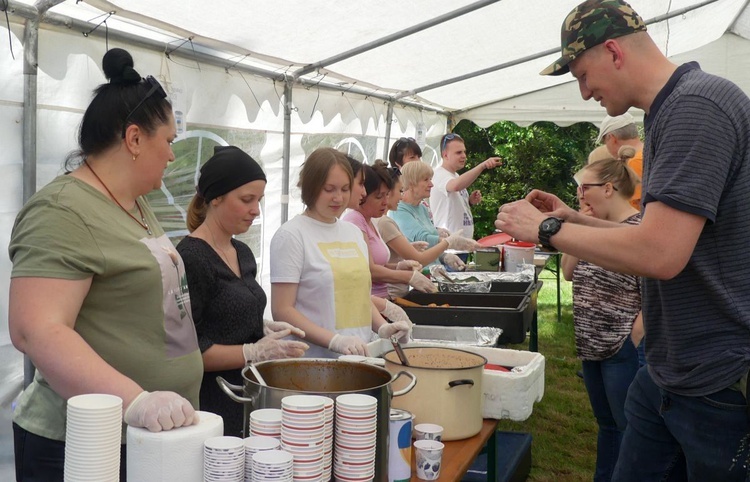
[
  {"x": 428, "y": 431},
  {"x": 429, "y": 455}
]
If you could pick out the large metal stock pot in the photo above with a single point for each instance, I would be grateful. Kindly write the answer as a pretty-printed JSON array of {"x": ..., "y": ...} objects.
[{"x": 326, "y": 377}]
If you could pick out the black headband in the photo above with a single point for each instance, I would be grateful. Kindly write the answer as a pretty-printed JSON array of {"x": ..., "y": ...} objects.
[{"x": 229, "y": 168}]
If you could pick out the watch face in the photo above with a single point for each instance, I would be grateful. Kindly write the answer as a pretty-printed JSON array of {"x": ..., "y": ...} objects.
[{"x": 549, "y": 224}]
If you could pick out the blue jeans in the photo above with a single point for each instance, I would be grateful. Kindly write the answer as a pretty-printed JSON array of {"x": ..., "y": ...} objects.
[
  {"x": 672, "y": 437},
  {"x": 607, "y": 383}
]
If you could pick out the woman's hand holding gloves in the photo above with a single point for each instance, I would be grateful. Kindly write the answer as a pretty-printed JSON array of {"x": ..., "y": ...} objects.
[
  {"x": 347, "y": 345},
  {"x": 408, "y": 265},
  {"x": 270, "y": 326},
  {"x": 453, "y": 262},
  {"x": 159, "y": 411},
  {"x": 401, "y": 326},
  {"x": 458, "y": 242},
  {"x": 272, "y": 347},
  {"x": 421, "y": 283}
]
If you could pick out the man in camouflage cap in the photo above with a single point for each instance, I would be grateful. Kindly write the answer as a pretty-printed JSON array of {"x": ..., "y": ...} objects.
[
  {"x": 590, "y": 24},
  {"x": 686, "y": 412}
]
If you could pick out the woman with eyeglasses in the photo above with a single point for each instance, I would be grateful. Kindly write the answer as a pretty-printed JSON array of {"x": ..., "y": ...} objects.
[
  {"x": 378, "y": 183},
  {"x": 606, "y": 310},
  {"x": 227, "y": 301},
  {"x": 98, "y": 295},
  {"x": 320, "y": 276}
]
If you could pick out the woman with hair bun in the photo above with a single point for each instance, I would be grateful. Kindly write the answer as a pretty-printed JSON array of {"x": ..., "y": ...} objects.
[
  {"x": 606, "y": 310},
  {"x": 98, "y": 294},
  {"x": 227, "y": 301}
]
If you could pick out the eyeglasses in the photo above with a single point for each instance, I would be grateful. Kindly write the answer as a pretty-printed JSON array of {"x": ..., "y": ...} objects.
[
  {"x": 447, "y": 138},
  {"x": 156, "y": 88},
  {"x": 582, "y": 187}
]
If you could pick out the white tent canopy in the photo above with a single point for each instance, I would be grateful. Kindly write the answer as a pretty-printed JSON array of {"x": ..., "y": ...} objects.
[{"x": 279, "y": 78}]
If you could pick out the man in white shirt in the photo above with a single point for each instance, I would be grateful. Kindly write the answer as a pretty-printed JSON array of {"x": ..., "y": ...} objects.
[{"x": 450, "y": 201}]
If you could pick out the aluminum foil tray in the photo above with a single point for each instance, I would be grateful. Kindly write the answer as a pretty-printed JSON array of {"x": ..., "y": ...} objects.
[{"x": 457, "y": 335}]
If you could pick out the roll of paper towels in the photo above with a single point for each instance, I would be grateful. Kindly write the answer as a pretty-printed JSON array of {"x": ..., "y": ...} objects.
[{"x": 171, "y": 455}]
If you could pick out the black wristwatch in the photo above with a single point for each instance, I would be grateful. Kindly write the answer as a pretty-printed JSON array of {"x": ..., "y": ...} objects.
[{"x": 548, "y": 228}]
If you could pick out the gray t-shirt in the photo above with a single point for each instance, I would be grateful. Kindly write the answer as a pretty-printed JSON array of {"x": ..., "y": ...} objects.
[
  {"x": 136, "y": 315},
  {"x": 696, "y": 160}
]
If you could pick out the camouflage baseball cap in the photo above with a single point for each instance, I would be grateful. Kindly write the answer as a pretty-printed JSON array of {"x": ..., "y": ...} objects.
[{"x": 591, "y": 23}]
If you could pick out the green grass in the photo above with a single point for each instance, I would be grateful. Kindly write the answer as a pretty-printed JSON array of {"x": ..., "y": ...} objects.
[{"x": 562, "y": 424}]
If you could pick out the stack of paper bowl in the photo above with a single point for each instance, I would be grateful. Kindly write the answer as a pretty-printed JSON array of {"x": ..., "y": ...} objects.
[
  {"x": 93, "y": 437},
  {"x": 303, "y": 435},
  {"x": 356, "y": 435},
  {"x": 328, "y": 445},
  {"x": 256, "y": 444},
  {"x": 273, "y": 465},
  {"x": 224, "y": 459},
  {"x": 266, "y": 422}
]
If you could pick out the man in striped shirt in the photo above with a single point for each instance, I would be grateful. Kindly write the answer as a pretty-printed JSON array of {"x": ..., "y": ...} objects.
[{"x": 687, "y": 410}]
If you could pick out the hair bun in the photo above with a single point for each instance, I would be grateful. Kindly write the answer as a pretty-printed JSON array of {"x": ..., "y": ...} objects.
[
  {"x": 626, "y": 152},
  {"x": 118, "y": 67}
]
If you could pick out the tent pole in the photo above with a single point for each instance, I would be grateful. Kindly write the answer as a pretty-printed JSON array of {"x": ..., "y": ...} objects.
[
  {"x": 286, "y": 151},
  {"x": 388, "y": 122},
  {"x": 30, "y": 66}
]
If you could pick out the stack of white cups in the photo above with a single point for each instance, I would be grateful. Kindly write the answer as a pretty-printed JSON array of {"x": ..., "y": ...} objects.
[
  {"x": 224, "y": 459},
  {"x": 266, "y": 422},
  {"x": 356, "y": 435},
  {"x": 93, "y": 437},
  {"x": 254, "y": 445},
  {"x": 328, "y": 444},
  {"x": 303, "y": 434}
]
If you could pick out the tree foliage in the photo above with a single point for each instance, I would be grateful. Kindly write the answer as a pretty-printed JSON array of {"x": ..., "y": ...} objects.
[{"x": 542, "y": 156}]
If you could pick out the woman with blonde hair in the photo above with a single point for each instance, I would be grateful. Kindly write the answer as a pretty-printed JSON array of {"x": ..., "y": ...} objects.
[
  {"x": 320, "y": 275},
  {"x": 413, "y": 217},
  {"x": 227, "y": 301},
  {"x": 606, "y": 310}
]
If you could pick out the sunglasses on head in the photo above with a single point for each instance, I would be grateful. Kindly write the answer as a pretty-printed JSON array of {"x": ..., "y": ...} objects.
[
  {"x": 156, "y": 88},
  {"x": 447, "y": 138}
]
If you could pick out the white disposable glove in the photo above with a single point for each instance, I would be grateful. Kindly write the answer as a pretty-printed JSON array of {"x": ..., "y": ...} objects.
[
  {"x": 443, "y": 233},
  {"x": 408, "y": 265},
  {"x": 453, "y": 262},
  {"x": 270, "y": 326},
  {"x": 420, "y": 245},
  {"x": 348, "y": 345},
  {"x": 272, "y": 347},
  {"x": 401, "y": 329},
  {"x": 458, "y": 242},
  {"x": 159, "y": 411},
  {"x": 421, "y": 283},
  {"x": 394, "y": 312}
]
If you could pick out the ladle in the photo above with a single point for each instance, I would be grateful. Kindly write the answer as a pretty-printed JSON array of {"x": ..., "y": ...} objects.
[
  {"x": 258, "y": 376},
  {"x": 399, "y": 351}
]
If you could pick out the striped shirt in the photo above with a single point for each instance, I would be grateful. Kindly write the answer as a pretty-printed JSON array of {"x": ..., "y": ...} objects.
[
  {"x": 605, "y": 304},
  {"x": 696, "y": 161}
]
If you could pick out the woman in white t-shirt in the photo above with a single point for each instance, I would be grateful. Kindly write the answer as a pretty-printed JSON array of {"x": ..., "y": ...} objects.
[{"x": 320, "y": 276}]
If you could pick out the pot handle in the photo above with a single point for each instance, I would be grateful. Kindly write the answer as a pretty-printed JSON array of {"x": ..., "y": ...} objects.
[
  {"x": 407, "y": 388},
  {"x": 229, "y": 389},
  {"x": 456, "y": 383}
]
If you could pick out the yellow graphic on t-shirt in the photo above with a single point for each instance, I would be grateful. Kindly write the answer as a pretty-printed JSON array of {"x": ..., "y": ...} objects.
[{"x": 351, "y": 283}]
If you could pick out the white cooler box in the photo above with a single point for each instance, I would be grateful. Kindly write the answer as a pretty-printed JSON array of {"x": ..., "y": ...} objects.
[{"x": 507, "y": 395}]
